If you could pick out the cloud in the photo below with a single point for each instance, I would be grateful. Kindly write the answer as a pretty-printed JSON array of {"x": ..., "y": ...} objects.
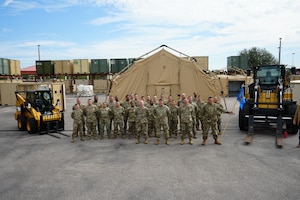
[
  {"x": 6, "y": 30},
  {"x": 7, "y": 2}
]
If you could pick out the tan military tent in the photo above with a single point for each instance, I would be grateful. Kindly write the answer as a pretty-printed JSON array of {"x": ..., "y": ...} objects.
[{"x": 164, "y": 73}]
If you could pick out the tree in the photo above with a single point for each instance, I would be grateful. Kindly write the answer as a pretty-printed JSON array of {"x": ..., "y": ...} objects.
[{"x": 257, "y": 56}]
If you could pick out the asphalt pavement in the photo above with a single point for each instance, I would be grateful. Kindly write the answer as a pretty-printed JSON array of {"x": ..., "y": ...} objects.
[{"x": 51, "y": 167}]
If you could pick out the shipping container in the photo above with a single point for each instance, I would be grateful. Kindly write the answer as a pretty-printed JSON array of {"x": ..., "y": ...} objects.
[
  {"x": 118, "y": 64},
  {"x": 4, "y": 66},
  {"x": 240, "y": 62},
  {"x": 99, "y": 66},
  {"x": 131, "y": 60},
  {"x": 63, "y": 66},
  {"x": 81, "y": 66},
  {"x": 44, "y": 67},
  {"x": 14, "y": 66}
]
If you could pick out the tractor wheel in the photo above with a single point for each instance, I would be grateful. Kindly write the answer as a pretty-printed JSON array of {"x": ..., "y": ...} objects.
[
  {"x": 22, "y": 123},
  {"x": 31, "y": 126}
]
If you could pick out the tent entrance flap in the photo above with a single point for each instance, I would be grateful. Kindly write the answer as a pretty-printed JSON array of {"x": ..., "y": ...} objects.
[{"x": 163, "y": 90}]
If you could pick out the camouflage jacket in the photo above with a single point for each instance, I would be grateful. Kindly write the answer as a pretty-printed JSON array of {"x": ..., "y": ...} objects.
[
  {"x": 210, "y": 112},
  {"x": 142, "y": 115},
  {"x": 118, "y": 114},
  {"x": 151, "y": 111},
  {"x": 77, "y": 116},
  {"x": 130, "y": 114},
  {"x": 105, "y": 113},
  {"x": 161, "y": 114},
  {"x": 186, "y": 113},
  {"x": 174, "y": 112},
  {"x": 90, "y": 112}
]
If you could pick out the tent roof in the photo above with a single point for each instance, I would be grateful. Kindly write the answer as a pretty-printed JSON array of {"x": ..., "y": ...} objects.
[{"x": 163, "y": 73}]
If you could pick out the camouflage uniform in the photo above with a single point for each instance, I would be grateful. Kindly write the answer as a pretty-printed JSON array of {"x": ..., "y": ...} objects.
[
  {"x": 194, "y": 118},
  {"x": 161, "y": 114},
  {"x": 151, "y": 120},
  {"x": 99, "y": 105},
  {"x": 111, "y": 105},
  {"x": 200, "y": 105},
  {"x": 131, "y": 117},
  {"x": 173, "y": 120},
  {"x": 125, "y": 105},
  {"x": 104, "y": 116},
  {"x": 219, "y": 118},
  {"x": 186, "y": 121},
  {"x": 77, "y": 116},
  {"x": 91, "y": 120},
  {"x": 118, "y": 114},
  {"x": 142, "y": 115},
  {"x": 209, "y": 114}
]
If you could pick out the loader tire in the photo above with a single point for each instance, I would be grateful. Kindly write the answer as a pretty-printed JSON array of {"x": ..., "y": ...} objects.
[
  {"x": 31, "y": 126},
  {"x": 22, "y": 123}
]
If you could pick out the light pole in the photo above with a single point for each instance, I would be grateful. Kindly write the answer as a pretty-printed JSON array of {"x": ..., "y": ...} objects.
[
  {"x": 279, "y": 50},
  {"x": 39, "y": 56},
  {"x": 293, "y": 59}
]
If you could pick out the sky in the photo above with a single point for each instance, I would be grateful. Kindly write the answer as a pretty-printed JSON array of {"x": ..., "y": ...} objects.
[{"x": 96, "y": 29}]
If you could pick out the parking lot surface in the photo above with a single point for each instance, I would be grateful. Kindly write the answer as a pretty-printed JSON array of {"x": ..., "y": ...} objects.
[{"x": 51, "y": 167}]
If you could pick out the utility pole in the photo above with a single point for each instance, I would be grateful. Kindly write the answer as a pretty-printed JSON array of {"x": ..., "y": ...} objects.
[
  {"x": 293, "y": 59},
  {"x": 279, "y": 50},
  {"x": 39, "y": 56}
]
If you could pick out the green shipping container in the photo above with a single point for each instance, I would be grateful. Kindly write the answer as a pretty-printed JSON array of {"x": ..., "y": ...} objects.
[
  {"x": 118, "y": 64},
  {"x": 240, "y": 62},
  {"x": 99, "y": 66},
  {"x": 4, "y": 66},
  {"x": 44, "y": 67}
]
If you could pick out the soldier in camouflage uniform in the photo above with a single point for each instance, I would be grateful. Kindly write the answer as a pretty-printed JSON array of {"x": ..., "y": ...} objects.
[
  {"x": 219, "y": 118},
  {"x": 200, "y": 105},
  {"x": 161, "y": 114},
  {"x": 99, "y": 105},
  {"x": 81, "y": 106},
  {"x": 126, "y": 104},
  {"x": 186, "y": 121},
  {"x": 111, "y": 104},
  {"x": 77, "y": 116},
  {"x": 142, "y": 115},
  {"x": 105, "y": 114},
  {"x": 194, "y": 116},
  {"x": 90, "y": 112},
  {"x": 173, "y": 119},
  {"x": 209, "y": 113},
  {"x": 131, "y": 117},
  {"x": 118, "y": 113},
  {"x": 151, "y": 119}
]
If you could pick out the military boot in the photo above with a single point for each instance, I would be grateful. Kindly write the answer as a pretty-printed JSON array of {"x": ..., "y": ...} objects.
[
  {"x": 73, "y": 136},
  {"x": 81, "y": 137},
  {"x": 204, "y": 142},
  {"x": 217, "y": 142},
  {"x": 157, "y": 141},
  {"x": 137, "y": 140},
  {"x": 191, "y": 141},
  {"x": 146, "y": 139},
  {"x": 167, "y": 141},
  {"x": 195, "y": 135},
  {"x": 182, "y": 141}
]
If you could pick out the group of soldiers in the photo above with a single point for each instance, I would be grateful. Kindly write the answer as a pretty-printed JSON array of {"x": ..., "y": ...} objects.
[{"x": 137, "y": 116}]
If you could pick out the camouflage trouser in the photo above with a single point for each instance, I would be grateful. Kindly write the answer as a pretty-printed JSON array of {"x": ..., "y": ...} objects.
[
  {"x": 131, "y": 128},
  {"x": 186, "y": 128},
  {"x": 141, "y": 129},
  {"x": 197, "y": 122},
  {"x": 77, "y": 127},
  {"x": 173, "y": 125},
  {"x": 206, "y": 126},
  {"x": 105, "y": 124},
  {"x": 91, "y": 128},
  {"x": 194, "y": 129},
  {"x": 219, "y": 123},
  {"x": 151, "y": 126},
  {"x": 165, "y": 129},
  {"x": 118, "y": 124}
]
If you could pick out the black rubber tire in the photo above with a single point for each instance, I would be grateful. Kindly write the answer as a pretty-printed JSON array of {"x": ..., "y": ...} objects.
[
  {"x": 21, "y": 123},
  {"x": 31, "y": 126}
]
